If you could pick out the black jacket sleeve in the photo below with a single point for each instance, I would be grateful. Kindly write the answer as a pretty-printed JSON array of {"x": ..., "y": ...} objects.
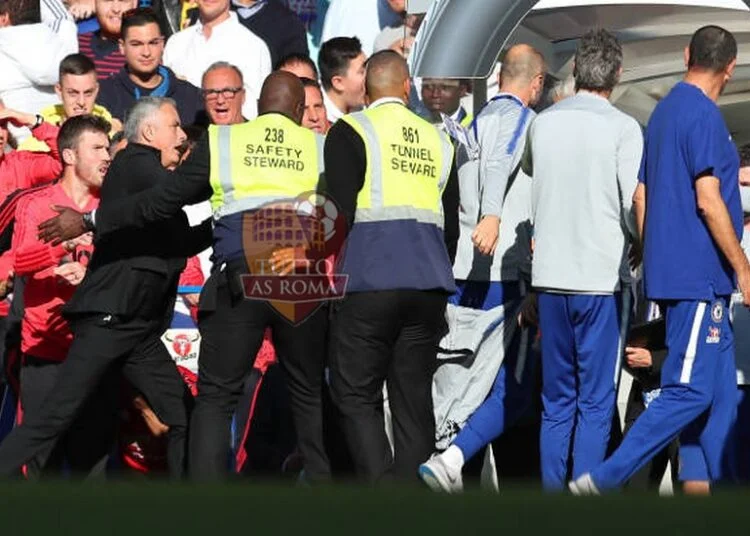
[
  {"x": 198, "y": 238},
  {"x": 450, "y": 213},
  {"x": 186, "y": 186},
  {"x": 345, "y": 164},
  {"x": 657, "y": 362}
]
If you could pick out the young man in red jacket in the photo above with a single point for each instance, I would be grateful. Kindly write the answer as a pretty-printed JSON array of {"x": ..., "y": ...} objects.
[{"x": 52, "y": 274}]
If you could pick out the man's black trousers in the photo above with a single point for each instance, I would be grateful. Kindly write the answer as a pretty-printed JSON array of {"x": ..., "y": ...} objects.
[
  {"x": 391, "y": 338},
  {"x": 231, "y": 334},
  {"x": 85, "y": 447},
  {"x": 101, "y": 344}
]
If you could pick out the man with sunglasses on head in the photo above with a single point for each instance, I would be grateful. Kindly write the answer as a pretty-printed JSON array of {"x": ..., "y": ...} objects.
[{"x": 142, "y": 43}]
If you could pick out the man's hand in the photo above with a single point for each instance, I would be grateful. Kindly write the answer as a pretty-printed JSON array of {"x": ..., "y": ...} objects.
[
  {"x": 485, "y": 235},
  {"x": 66, "y": 225},
  {"x": 285, "y": 260},
  {"x": 155, "y": 426},
  {"x": 81, "y": 9},
  {"x": 72, "y": 272},
  {"x": 743, "y": 283},
  {"x": 529, "y": 315},
  {"x": 191, "y": 299},
  {"x": 638, "y": 357},
  {"x": 403, "y": 46},
  {"x": 16, "y": 118},
  {"x": 84, "y": 240}
]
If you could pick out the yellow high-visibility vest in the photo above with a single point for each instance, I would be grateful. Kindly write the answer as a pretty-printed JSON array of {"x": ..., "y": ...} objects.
[
  {"x": 408, "y": 164},
  {"x": 268, "y": 159}
]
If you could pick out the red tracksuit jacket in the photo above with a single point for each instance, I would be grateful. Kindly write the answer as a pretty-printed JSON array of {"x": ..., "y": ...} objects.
[{"x": 44, "y": 331}]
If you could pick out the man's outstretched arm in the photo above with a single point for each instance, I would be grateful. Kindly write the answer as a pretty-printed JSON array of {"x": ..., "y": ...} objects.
[{"x": 188, "y": 185}]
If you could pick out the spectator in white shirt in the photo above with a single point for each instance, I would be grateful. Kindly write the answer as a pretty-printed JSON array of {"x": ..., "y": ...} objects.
[
  {"x": 362, "y": 18},
  {"x": 342, "y": 73},
  {"x": 219, "y": 36},
  {"x": 30, "y": 53}
]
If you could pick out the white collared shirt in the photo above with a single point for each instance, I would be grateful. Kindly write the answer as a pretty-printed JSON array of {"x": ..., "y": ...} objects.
[
  {"x": 332, "y": 111},
  {"x": 363, "y": 18},
  {"x": 188, "y": 53}
]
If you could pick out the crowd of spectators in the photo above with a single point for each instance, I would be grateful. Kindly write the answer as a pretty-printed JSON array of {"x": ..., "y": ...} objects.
[{"x": 99, "y": 58}]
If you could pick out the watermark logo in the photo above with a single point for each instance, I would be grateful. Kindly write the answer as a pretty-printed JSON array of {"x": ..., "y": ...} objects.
[{"x": 290, "y": 247}]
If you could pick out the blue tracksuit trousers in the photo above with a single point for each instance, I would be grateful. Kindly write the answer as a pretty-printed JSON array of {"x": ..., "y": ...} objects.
[{"x": 582, "y": 340}]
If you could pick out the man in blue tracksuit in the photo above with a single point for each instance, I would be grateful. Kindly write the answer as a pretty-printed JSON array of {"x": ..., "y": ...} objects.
[
  {"x": 583, "y": 156},
  {"x": 693, "y": 221},
  {"x": 491, "y": 271}
]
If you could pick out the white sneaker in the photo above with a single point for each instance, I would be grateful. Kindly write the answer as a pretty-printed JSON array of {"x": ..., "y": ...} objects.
[
  {"x": 583, "y": 485},
  {"x": 440, "y": 476}
]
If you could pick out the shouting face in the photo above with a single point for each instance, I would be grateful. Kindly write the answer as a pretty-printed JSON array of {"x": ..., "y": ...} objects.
[
  {"x": 165, "y": 133},
  {"x": 78, "y": 93},
  {"x": 223, "y": 96},
  {"x": 90, "y": 158}
]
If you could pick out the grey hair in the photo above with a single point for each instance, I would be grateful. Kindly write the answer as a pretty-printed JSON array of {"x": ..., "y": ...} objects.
[
  {"x": 563, "y": 89},
  {"x": 598, "y": 61},
  {"x": 143, "y": 110},
  {"x": 223, "y": 65}
]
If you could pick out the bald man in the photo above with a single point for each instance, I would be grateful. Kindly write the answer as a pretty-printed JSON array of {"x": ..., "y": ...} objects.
[
  {"x": 253, "y": 174},
  {"x": 388, "y": 169},
  {"x": 492, "y": 271}
]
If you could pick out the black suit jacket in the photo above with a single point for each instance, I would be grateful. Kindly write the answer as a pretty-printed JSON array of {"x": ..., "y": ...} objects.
[{"x": 134, "y": 271}]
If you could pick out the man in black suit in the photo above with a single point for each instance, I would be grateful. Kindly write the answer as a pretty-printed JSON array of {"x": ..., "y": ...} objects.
[{"x": 126, "y": 300}]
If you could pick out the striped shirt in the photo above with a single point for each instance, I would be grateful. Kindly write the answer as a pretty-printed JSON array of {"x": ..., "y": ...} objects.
[{"x": 103, "y": 52}]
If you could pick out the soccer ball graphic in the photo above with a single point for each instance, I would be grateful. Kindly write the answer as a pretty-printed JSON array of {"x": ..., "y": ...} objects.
[{"x": 322, "y": 208}]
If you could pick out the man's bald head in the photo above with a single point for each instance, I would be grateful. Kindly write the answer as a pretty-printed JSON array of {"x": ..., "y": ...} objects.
[
  {"x": 521, "y": 64},
  {"x": 522, "y": 73},
  {"x": 387, "y": 76},
  {"x": 282, "y": 93}
]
